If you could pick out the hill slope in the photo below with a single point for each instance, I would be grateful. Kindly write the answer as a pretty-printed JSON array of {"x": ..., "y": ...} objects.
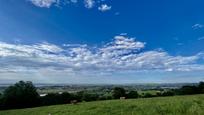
[{"x": 178, "y": 105}]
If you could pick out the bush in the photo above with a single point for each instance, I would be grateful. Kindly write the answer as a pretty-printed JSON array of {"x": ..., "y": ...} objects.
[
  {"x": 56, "y": 98},
  {"x": 201, "y": 87},
  {"x": 66, "y": 97},
  {"x": 90, "y": 97},
  {"x": 132, "y": 94},
  {"x": 106, "y": 96},
  {"x": 21, "y": 95},
  {"x": 147, "y": 95},
  {"x": 78, "y": 96},
  {"x": 118, "y": 92},
  {"x": 168, "y": 93},
  {"x": 50, "y": 99},
  {"x": 158, "y": 94},
  {"x": 188, "y": 90}
]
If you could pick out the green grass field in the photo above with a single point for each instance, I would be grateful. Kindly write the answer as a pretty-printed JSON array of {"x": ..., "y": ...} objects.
[{"x": 177, "y": 105}]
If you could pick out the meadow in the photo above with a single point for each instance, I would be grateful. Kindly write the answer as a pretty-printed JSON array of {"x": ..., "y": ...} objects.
[{"x": 176, "y": 105}]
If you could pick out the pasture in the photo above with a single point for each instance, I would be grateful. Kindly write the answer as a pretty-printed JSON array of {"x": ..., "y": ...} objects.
[{"x": 176, "y": 105}]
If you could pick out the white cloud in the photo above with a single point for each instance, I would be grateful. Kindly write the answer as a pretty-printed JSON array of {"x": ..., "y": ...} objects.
[
  {"x": 59, "y": 3},
  {"x": 89, "y": 3},
  {"x": 201, "y": 38},
  {"x": 197, "y": 26},
  {"x": 49, "y": 3},
  {"x": 104, "y": 7},
  {"x": 44, "y": 3},
  {"x": 122, "y": 54}
]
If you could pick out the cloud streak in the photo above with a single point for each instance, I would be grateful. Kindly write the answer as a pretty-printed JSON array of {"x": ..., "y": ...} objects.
[
  {"x": 89, "y": 4},
  {"x": 122, "y": 54},
  {"x": 197, "y": 26}
]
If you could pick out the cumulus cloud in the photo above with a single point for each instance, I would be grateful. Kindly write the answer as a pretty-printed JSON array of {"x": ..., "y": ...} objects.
[
  {"x": 49, "y": 3},
  {"x": 104, "y": 7},
  {"x": 122, "y": 54},
  {"x": 44, "y": 3},
  {"x": 89, "y": 3}
]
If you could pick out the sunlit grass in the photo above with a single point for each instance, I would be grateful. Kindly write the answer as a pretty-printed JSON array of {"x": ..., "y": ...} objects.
[{"x": 177, "y": 105}]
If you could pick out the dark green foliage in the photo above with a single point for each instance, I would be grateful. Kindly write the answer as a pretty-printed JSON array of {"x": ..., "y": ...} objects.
[
  {"x": 201, "y": 87},
  {"x": 177, "y": 105},
  {"x": 159, "y": 94},
  {"x": 105, "y": 97},
  {"x": 147, "y": 95},
  {"x": 1, "y": 103},
  {"x": 118, "y": 92},
  {"x": 168, "y": 93},
  {"x": 132, "y": 95},
  {"x": 22, "y": 94},
  {"x": 79, "y": 95},
  {"x": 66, "y": 97},
  {"x": 85, "y": 96},
  {"x": 188, "y": 90},
  {"x": 90, "y": 97},
  {"x": 55, "y": 98},
  {"x": 50, "y": 99}
]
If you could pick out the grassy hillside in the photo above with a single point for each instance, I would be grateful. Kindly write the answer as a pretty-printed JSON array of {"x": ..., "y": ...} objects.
[{"x": 178, "y": 105}]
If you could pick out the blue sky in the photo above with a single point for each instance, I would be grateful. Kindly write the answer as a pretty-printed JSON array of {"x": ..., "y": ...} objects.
[{"x": 101, "y": 41}]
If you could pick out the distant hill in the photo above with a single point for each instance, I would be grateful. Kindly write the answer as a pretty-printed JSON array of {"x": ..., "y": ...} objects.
[{"x": 177, "y": 105}]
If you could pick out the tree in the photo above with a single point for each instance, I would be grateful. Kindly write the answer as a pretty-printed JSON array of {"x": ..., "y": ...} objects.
[
  {"x": 1, "y": 101},
  {"x": 65, "y": 97},
  {"x": 188, "y": 90},
  {"x": 168, "y": 93},
  {"x": 147, "y": 95},
  {"x": 51, "y": 99},
  {"x": 118, "y": 92},
  {"x": 132, "y": 94},
  {"x": 78, "y": 96},
  {"x": 90, "y": 97},
  {"x": 22, "y": 94},
  {"x": 201, "y": 87}
]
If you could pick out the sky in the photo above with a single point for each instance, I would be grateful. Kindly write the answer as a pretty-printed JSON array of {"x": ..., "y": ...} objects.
[{"x": 101, "y": 41}]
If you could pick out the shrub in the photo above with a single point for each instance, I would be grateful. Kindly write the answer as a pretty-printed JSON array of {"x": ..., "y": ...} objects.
[
  {"x": 22, "y": 94},
  {"x": 147, "y": 95},
  {"x": 90, "y": 97},
  {"x": 168, "y": 93},
  {"x": 201, "y": 87},
  {"x": 132, "y": 94},
  {"x": 56, "y": 98},
  {"x": 118, "y": 92},
  {"x": 188, "y": 90}
]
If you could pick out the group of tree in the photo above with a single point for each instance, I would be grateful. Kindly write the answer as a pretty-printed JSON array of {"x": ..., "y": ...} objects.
[
  {"x": 24, "y": 95},
  {"x": 119, "y": 92},
  {"x": 20, "y": 95},
  {"x": 189, "y": 90}
]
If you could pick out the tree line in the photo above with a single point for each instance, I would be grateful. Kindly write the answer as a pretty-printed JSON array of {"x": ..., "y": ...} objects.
[{"x": 25, "y": 95}]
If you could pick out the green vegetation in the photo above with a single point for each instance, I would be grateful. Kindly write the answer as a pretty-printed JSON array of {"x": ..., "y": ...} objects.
[
  {"x": 20, "y": 95},
  {"x": 24, "y": 95},
  {"x": 176, "y": 105}
]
